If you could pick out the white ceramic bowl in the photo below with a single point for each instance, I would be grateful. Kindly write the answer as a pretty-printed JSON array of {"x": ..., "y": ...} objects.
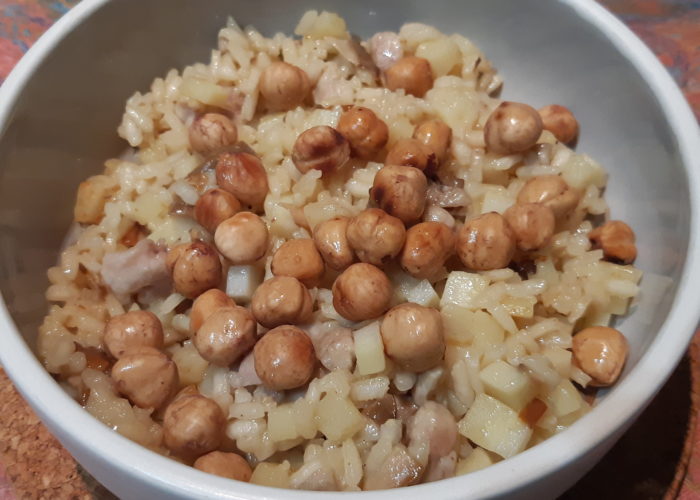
[{"x": 60, "y": 106}]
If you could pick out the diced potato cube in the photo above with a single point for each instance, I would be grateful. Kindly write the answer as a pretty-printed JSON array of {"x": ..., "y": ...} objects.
[
  {"x": 271, "y": 474},
  {"x": 456, "y": 106},
  {"x": 190, "y": 365},
  {"x": 409, "y": 289},
  {"x": 478, "y": 459},
  {"x": 325, "y": 24},
  {"x": 495, "y": 427},
  {"x": 443, "y": 54},
  {"x": 369, "y": 349},
  {"x": 564, "y": 399},
  {"x": 520, "y": 307},
  {"x": 338, "y": 418},
  {"x": 462, "y": 289},
  {"x": 242, "y": 281},
  {"x": 560, "y": 359},
  {"x": 454, "y": 321},
  {"x": 93, "y": 193},
  {"x": 486, "y": 331},
  {"x": 581, "y": 171},
  {"x": 281, "y": 423},
  {"x": 505, "y": 382}
]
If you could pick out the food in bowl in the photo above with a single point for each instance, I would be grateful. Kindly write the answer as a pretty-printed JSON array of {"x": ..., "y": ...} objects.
[{"x": 339, "y": 265}]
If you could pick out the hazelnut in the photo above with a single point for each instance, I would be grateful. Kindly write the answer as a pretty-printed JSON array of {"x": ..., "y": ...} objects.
[
  {"x": 412, "y": 153},
  {"x": 214, "y": 207},
  {"x": 617, "y": 241},
  {"x": 601, "y": 353},
  {"x": 560, "y": 122},
  {"x": 226, "y": 335},
  {"x": 401, "y": 192},
  {"x": 193, "y": 425},
  {"x": 243, "y": 175},
  {"x": 299, "y": 259},
  {"x": 532, "y": 224},
  {"x": 361, "y": 292},
  {"x": 486, "y": 242},
  {"x": 322, "y": 148},
  {"x": 376, "y": 236},
  {"x": 210, "y": 132},
  {"x": 132, "y": 330},
  {"x": 146, "y": 376},
  {"x": 411, "y": 73},
  {"x": 365, "y": 132},
  {"x": 284, "y": 86},
  {"x": 512, "y": 128},
  {"x": 428, "y": 245},
  {"x": 413, "y": 336},
  {"x": 195, "y": 268},
  {"x": 281, "y": 300},
  {"x": 242, "y": 239},
  {"x": 332, "y": 243},
  {"x": 284, "y": 358},
  {"x": 230, "y": 465},
  {"x": 551, "y": 191},
  {"x": 207, "y": 304},
  {"x": 436, "y": 135}
]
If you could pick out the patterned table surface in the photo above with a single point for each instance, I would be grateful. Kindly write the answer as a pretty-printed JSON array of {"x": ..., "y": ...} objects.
[{"x": 658, "y": 458}]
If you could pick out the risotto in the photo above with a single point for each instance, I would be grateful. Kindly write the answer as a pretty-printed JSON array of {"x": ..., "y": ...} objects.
[{"x": 333, "y": 264}]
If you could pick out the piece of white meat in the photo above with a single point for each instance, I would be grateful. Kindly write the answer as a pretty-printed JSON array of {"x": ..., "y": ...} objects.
[
  {"x": 131, "y": 270},
  {"x": 385, "y": 49}
]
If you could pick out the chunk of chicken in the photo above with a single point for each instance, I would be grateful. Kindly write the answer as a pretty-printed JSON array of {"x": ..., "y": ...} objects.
[
  {"x": 385, "y": 49},
  {"x": 138, "y": 267}
]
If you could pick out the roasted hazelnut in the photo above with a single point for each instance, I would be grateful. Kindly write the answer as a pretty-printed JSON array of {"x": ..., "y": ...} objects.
[
  {"x": 551, "y": 191},
  {"x": 212, "y": 131},
  {"x": 230, "y": 465},
  {"x": 132, "y": 330},
  {"x": 284, "y": 86},
  {"x": 400, "y": 191},
  {"x": 436, "y": 135},
  {"x": 411, "y": 73},
  {"x": 412, "y": 153},
  {"x": 321, "y": 148},
  {"x": 560, "y": 121},
  {"x": 413, "y": 336},
  {"x": 617, "y": 241},
  {"x": 207, "y": 304},
  {"x": 243, "y": 175},
  {"x": 601, "y": 353},
  {"x": 226, "y": 335},
  {"x": 332, "y": 243},
  {"x": 214, "y": 207},
  {"x": 361, "y": 292},
  {"x": 242, "y": 239},
  {"x": 365, "y": 132},
  {"x": 532, "y": 224},
  {"x": 486, "y": 243},
  {"x": 428, "y": 245},
  {"x": 193, "y": 425},
  {"x": 281, "y": 300},
  {"x": 299, "y": 259},
  {"x": 376, "y": 236},
  {"x": 512, "y": 128},
  {"x": 195, "y": 268},
  {"x": 146, "y": 376},
  {"x": 284, "y": 358}
]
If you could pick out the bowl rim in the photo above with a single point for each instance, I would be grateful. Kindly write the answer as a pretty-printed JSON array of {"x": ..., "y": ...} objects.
[{"x": 621, "y": 404}]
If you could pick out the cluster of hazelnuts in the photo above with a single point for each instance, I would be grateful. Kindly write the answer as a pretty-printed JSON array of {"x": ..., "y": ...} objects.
[{"x": 356, "y": 247}]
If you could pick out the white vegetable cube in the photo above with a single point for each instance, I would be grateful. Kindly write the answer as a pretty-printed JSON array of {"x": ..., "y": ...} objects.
[
  {"x": 280, "y": 423},
  {"x": 242, "y": 281},
  {"x": 478, "y": 459},
  {"x": 338, "y": 419},
  {"x": 560, "y": 359},
  {"x": 369, "y": 349},
  {"x": 486, "y": 331},
  {"x": 581, "y": 171},
  {"x": 505, "y": 382},
  {"x": 409, "y": 289},
  {"x": 443, "y": 54},
  {"x": 520, "y": 307},
  {"x": 495, "y": 427},
  {"x": 454, "y": 321},
  {"x": 564, "y": 399},
  {"x": 463, "y": 289}
]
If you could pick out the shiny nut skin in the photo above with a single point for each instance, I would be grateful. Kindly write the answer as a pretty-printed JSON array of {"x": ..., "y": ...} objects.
[
  {"x": 560, "y": 121},
  {"x": 226, "y": 335},
  {"x": 512, "y": 128},
  {"x": 220, "y": 463},
  {"x": 299, "y": 259},
  {"x": 411, "y": 73},
  {"x": 207, "y": 304},
  {"x": 321, "y": 148},
  {"x": 281, "y": 300},
  {"x": 284, "y": 86},
  {"x": 436, "y": 135},
  {"x": 332, "y": 243},
  {"x": 412, "y": 153},
  {"x": 601, "y": 352},
  {"x": 375, "y": 236},
  {"x": 532, "y": 223},
  {"x": 617, "y": 241},
  {"x": 214, "y": 207},
  {"x": 195, "y": 268},
  {"x": 428, "y": 245},
  {"x": 413, "y": 336},
  {"x": 132, "y": 330},
  {"x": 212, "y": 131},
  {"x": 401, "y": 192},
  {"x": 146, "y": 376},
  {"x": 243, "y": 175},
  {"x": 362, "y": 292},
  {"x": 242, "y": 239},
  {"x": 284, "y": 358},
  {"x": 364, "y": 130},
  {"x": 551, "y": 191},
  {"x": 193, "y": 425},
  {"x": 486, "y": 243}
]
